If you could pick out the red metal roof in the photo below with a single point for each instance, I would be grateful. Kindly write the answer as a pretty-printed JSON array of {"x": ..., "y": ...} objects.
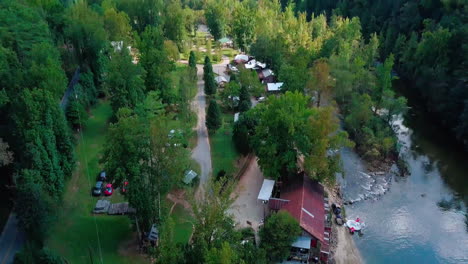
[{"x": 306, "y": 204}]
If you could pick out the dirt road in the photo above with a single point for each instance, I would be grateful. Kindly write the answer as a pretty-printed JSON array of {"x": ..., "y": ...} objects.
[
  {"x": 246, "y": 208},
  {"x": 202, "y": 152}
]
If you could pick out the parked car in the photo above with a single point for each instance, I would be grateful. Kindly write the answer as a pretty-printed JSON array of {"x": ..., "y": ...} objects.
[
  {"x": 102, "y": 176},
  {"x": 97, "y": 190},
  {"x": 109, "y": 190},
  {"x": 261, "y": 99}
]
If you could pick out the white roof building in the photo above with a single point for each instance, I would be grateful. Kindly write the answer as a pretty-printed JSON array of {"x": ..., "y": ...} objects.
[
  {"x": 274, "y": 87},
  {"x": 267, "y": 189},
  {"x": 241, "y": 57},
  {"x": 220, "y": 79}
]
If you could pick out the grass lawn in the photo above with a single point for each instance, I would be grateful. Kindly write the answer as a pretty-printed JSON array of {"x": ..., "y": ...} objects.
[
  {"x": 223, "y": 152},
  {"x": 183, "y": 224},
  {"x": 74, "y": 235}
]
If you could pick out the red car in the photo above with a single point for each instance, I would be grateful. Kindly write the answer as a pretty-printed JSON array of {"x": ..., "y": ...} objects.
[{"x": 109, "y": 190}]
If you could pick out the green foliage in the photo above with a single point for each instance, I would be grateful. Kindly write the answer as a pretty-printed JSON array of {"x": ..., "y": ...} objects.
[
  {"x": 192, "y": 60},
  {"x": 277, "y": 235},
  {"x": 244, "y": 128},
  {"x": 243, "y": 25},
  {"x": 142, "y": 13},
  {"x": 208, "y": 77},
  {"x": 168, "y": 250},
  {"x": 213, "y": 117},
  {"x": 124, "y": 81},
  {"x": 154, "y": 59},
  {"x": 215, "y": 14},
  {"x": 174, "y": 24},
  {"x": 75, "y": 113},
  {"x": 244, "y": 99},
  {"x": 85, "y": 30},
  {"x": 37, "y": 218},
  {"x": 214, "y": 233},
  {"x": 144, "y": 157},
  {"x": 287, "y": 128},
  {"x": 117, "y": 24}
]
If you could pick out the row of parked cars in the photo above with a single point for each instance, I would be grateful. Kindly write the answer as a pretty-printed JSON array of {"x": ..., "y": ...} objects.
[{"x": 102, "y": 187}]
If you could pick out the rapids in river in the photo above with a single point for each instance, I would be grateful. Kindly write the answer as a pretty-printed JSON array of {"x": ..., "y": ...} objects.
[{"x": 420, "y": 218}]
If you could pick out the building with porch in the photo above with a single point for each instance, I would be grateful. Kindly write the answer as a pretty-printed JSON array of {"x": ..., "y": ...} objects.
[{"x": 304, "y": 199}]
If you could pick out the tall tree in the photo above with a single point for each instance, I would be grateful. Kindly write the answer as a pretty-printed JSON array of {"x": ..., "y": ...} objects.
[
  {"x": 277, "y": 235},
  {"x": 155, "y": 61},
  {"x": 85, "y": 30},
  {"x": 243, "y": 24},
  {"x": 213, "y": 117},
  {"x": 124, "y": 81},
  {"x": 215, "y": 14},
  {"x": 287, "y": 129},
  {"x": 321, "y": 80},
  {"x": 208, "y": 77},
  {"x": 174, "y": 25}
]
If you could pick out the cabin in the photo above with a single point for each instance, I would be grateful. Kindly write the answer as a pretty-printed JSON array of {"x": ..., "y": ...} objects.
[
  {"x": 264, "y": 73},
  {"x": 221, "y": 81},
  {"x": 274, "y": 87},
  {"x": 226, "y": 42},
  {"x": 241, "y": 59},
  {"x": 303, "y": 198}
]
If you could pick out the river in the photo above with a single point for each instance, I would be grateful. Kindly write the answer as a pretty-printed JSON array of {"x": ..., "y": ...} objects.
[{"x": 420, "y": 218}]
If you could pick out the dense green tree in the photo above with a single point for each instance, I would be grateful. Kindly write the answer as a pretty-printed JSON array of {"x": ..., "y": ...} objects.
[
  {"x": 117, "y": 24},
  {"x": 243, "y": 130},
  {"x": 208, "y": 77},
  {"x": 321, "y": 80},
  {"x": 124, "y": 81},
  {"x": 213, "y": 226},
  {"x": 244, "y": 99},
  {"x": 84, "y": 28},
  {"x": 277, "y": 235},
  {"x": 145, "y": 158},
  {"x": 192, "y": 60},
  {"x": 143, "y": 13},
  {"x": 174, "y": 24},
  {"x": 168, "y": 250},
  {"x": 224, "y": 255},
  {"x": 30, "y": 195},
  {"x": 213, "y": 117},
  {"x": 155, "y": 61},
  {"x": 215, "y": 14},
  {"x": 243, "y": 25},
  {"x": 287, "y": 128}
]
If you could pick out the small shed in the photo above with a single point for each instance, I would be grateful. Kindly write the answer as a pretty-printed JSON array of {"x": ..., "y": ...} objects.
[
  {"x": 274, "y": 87},
  {"x": 265, "y": 73},
  {"x": 189, "y": 176},
  {"x": 221, "y": 80},
  {"x": 102, "y": 206},
  {"x": 241, "y": 58},
  {"x": 225, "y": 42},
  {"x": 153, "y": 234},
  {"x": 267, "y": 189},
  {"x": 236, "y": 117}
]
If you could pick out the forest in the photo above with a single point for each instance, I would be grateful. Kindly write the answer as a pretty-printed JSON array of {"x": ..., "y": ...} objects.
[{"x": 337, "y": 60}]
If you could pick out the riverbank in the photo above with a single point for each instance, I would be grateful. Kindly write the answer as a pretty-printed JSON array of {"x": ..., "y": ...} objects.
[{"x": 342, "y": 246}]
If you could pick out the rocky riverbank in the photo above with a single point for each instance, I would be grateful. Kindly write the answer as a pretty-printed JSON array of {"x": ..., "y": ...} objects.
[{"x": 342, "y": 246}]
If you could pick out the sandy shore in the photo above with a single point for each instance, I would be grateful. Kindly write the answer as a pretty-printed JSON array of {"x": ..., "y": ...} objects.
[{"x": 343, "y": 249}]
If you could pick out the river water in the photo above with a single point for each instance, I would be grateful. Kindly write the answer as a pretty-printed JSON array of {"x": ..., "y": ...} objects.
[{"x": 420, "y": 218}]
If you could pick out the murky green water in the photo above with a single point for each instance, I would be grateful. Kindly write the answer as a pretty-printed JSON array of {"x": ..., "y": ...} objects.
[{"x": 421, "y": 218}]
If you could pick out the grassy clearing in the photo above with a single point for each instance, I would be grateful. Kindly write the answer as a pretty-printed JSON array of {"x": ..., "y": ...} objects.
[
  {"x": 183, "y": 224},
  {"x": 74, "y": 235},
  {"x": 223, "y": 152}
]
